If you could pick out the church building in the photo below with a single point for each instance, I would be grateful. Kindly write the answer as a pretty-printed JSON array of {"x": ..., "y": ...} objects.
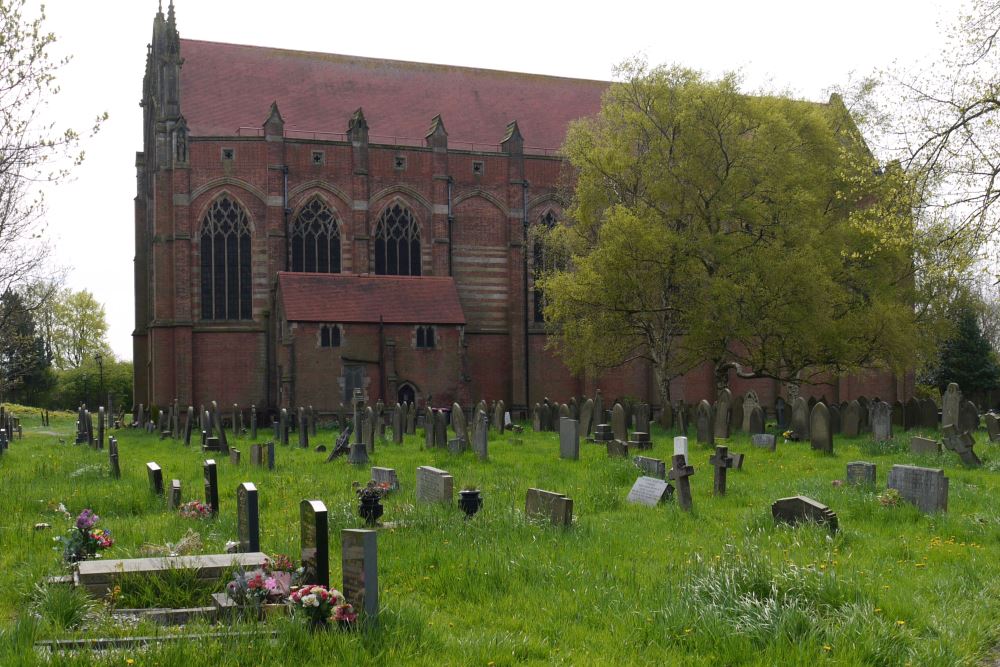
[{"x": 308, "y": 223}]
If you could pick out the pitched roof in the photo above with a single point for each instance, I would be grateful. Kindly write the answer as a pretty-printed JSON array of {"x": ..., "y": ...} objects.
[
  {"x": 340, "y": 297},
  {"x": 228, "y": 86}
]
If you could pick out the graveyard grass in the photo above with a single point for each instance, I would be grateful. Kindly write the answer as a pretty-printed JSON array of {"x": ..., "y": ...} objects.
[{"x": 626, "y": 584}]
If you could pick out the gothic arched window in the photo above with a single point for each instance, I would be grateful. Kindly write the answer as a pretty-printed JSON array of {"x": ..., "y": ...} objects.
[
  {"x": 397, "y": 243},
  {"x": 543, "y": 261},
  {"x": 315, "y": 239},
  {"x": 225, "y": 262}
]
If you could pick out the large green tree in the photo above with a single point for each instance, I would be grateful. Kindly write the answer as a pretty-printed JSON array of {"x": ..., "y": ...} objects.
[
  {"x": 967, "y": 357},
  {"x": 756, "y": 232},
  {"x": 24, "y": 362},
  {"x": 77, "y": 327}
]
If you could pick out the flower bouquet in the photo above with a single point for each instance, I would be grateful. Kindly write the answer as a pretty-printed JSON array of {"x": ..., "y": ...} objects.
[
  {"x": 321, "y": 606},
  {"x": 84, "y": 539},
  {"x": 195, "y": 509},
  {"x": 281, "y": 568}
]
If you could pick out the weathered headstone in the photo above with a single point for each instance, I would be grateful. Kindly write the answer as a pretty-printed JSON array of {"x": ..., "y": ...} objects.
[
  {"x": 174, "y": 499},
  {"x": 960, "y": 443},
  {"x": 586, "y": 417},
  {"x": 618, "y": 422},
  {"x": 820, "y": 436},
  {"x": 368, "y": 433},
  {"x": 755, "y": 420},
  {"x": 927, "y": 488},
  {"x": 723, "y": 409},
  {"x": 569, "y": 438},
  {"x": 315, "y": 542},
  {"x": 211, "y": 486},
  {"x": 385, "y": 476},
  {"x": 652, "y": 467},
  {"x": 116, "y": 471},
  {"x": 434, "y": 485},
  {"x": 270, "y": 455},
  {"x": 834, "y": 419},
  {"x": 155, "y": 475},
  {"x": 764, "y": 440},
  {"x": 398, "y": 421},
  {"x": 864, "y": 423},
  {"x": 898, "y": 414},
  {"x": 617, "y": 449},
  {"x": 312, "y": 422},
  {"x": 257, "y": 456},
  {"x": 458, "y": 422},
  {"x": 781, "y": 413},
  {"x": 992, "y": 427},
  {"x": 951, "y": 404},
  {"x": 703, "y": 424},
  {"x": 881, "y": 421},
  {"x": 253, "y": 422},
  {"x": 736, "y": 417},
  {"x": 359, "y": 565},
  {"x": 680, "y": 473},
  {"x": 666, "y": 418},
  {"x": 928, "y": 413},
  {"x": 861, "y": 472},
  {"x": 911, "y": 413},
  {"x": 721, "y": 461},
  {"x": 234, "y": 456},
  {"x": 851, "y": 420},
  {"x": 555, "y": 507},
  {"x": 188, "y": 423},
  {"x": 303, "y": 428},
  {"x": 100, "y": 427},
  {"x": 217, "y": 419},
  {"x": 800, "y": 418},
  {"x": 283, "y": 426},
  {"x": 247, "y": 518},
  {"x": 968, "y": 417},
  {"x": 411, "y": 419},
  {"x": 649, "y": 491},
  {"x": 924, "y": 446},
  {"x": 800, "y": 508}
]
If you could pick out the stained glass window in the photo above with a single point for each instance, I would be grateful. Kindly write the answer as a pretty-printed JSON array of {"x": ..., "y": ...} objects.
[
  {"x": 397, "y": 243},
  {"x": 226, "y": 282},
  {"x": 314, "y": 238}
]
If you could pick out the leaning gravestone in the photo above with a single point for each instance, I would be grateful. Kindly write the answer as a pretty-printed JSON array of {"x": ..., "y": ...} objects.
[
  {"x": 652, "y": 467},
  {"x": 359, "y": 565},
  {"x": 247, "y": 518},
  {"x": 458, "y": 422},
  {"x": 211, "y": 486},
  {"x": 968, "y": 417},
  {"x": 649, "y": 491},
  {"x": 723, "y": 410},
  {"x": 881, "y": 421},
  {"x": 764, "y": 440},
  {"x": 800, "y": 508},
  {"x": 924, "y": 446},
  {"x": 951, "y": 403},
  {"x": 569, "y": 438},
  {"x": 927, "y": 488},
  {"x": 555, "y": 507},
  {"x": 586, "y": 418},
  {"x": 155, "y": 476},
  {"x": 851, "y": 420},
  {"x": 861, "y": 472},
  {"x": 618, "y": 422},
  {"x": 961, "y": 444},
  {"x": 800, "y": 418},
  {"x": 315, "y": 542},
  {"x": 820, "y": 435},
  {"x": 703, "y": 424},
  {"x": 434, "y": 485}
]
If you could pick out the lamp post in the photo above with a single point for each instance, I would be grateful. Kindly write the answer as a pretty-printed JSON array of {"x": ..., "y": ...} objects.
[{"x": 99, "y": 358}]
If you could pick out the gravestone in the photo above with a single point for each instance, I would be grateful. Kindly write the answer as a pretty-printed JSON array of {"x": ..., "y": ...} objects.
[
  {"x": 440, "y": 430},
  {"x": 951, "y": 403},
  {"x": 385, "y": 476},
  {"x": 434, "y": 485},
  {"x": 881, "y": 421},
  {"x": 212, "y": 445},
  {"x": 723, "y": 408},
  {"x": 834, "y": 419},
  {"x": 253, "y": 422},
  {"x": 564, "y": 412},
  {"x": 536, "y": 418},
  {"x": 174, "y": 499},
  {"x": 480, "y": 437},
  {"x": 234, "y": 456},
  {"x": 217, "y": 420},
  {"x": 683, "y": 417},
  {"x": 359, "y": 565},
  {"x": 898, "y": 414},
  {"x": 211, "y": 486},
  {"x": 924, "y": 446},
  {"x": 100, "y": 427},
  {"x": 499, "y": 423},
  {"x": 703, "y": 424},
  {"x": 358, "y": 454},
  {"x": 574, "y": 408},
  {"x": 602, "y": 433},
  {"x": 652, "y": 467},
  {"x": 666, "y": 418},
  {"x": 257, "y": 456},
  {"x": 617, "y": 449},
  {"x": 781, "y": 413},
  {"x": 755, "y": 420},
  {"x": 765, "y": 440},
  {"x": 927, "y": 488},
  {"x": 861, "y": 472},
  {"x": 928, "y": 413},
  {"x": 864, "y": 423},
  {"x": 968, "y": 417},
  {"x": 283, "y": 426},
  {"x": 722, "y": 461},
  {"x": 247, "y": 518},
  {"x": 368, "y": 434},
  {"x": 649, "y": 491},
  {"x": 315, "y": 542},
  {"x": 800, "y": 418},
  {"x": 155, "y": 476},
  {"x": 569, "y": 438},
  {"x": 680, "y": 472},
  {"x": 640, "y": 440},
  {"x": 236, "y": 420},
  {"x": 750, "y": 403},
  {"x": 458, "y": 422},
  {"x": 736, "y": 417},
  {"x": 851, "y": 420},
  {"x": 303, "y": 428},
  {"x": 379, "y": 422},
  {"x": 206, "y": 425},
  {"x": 820, "y": 437},
  {"x": 397, "y": 424},
  {"x": 554, "y": 416},
  {"x": 270, "y": 455},
  {"x": 961, "y": 444},
  {"x": 800, "y": 508},
  {"x": 429, "y": 428},
  {"x": 312, "y": 422},
  {"x": 681, "y": 446},
  {"x": 411, "y": 419},
  {"x": 116, "y": 471},
  {"x": 555, "y": 507},
  {"x": 587, "y": 418},
  {"x": 640, "y": 418},
  {"x": 992, "y": 427},
  {"x": 618, "y": 422},
  {"x": 911, "y": 414},
  {"x": 188, "y": 423},
  {"x": 456, "y": 446},
  {"x": 598, "y": 417}
]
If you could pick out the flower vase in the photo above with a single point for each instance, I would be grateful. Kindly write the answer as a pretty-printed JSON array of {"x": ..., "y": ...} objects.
[
  {"x": 370, "y": 510},
  {"x": 470, "y": 501}
]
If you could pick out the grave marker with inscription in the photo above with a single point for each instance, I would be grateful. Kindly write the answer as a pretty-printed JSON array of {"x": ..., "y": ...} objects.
[
  {"x": 555, "y": 507},
  {"x": 359, "y": 565},
  {"x": 434, "y": 485},
  {"x": 247, "y": 518},
  {"x": 649, "y": 491},
  {"x": 315, "y": 542},
  {"x": 927, "y": 488}
]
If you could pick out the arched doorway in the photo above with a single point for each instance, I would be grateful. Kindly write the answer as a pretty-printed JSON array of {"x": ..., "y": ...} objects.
[{"x": 407, "y": 393}]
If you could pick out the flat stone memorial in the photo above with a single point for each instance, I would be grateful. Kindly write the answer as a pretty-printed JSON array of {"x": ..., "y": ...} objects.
[
  {"x": 315, "y": 542},
  {"x": 555, "y": 507},
  {"x": 927, "y": 488},
  {"x": 764, "y": 440},
  {"x": 434, "y": 485},
  {"x": 924, "y": 446},
  {"x": 247, "y": 518},
  {"x": 861, "y": 472},
  {"x": 652, "y": 467},
  {"x": 649, "y": 491},
  {"x": 359, "y": 565}
]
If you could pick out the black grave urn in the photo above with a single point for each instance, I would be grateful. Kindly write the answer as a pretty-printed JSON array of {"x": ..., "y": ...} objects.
[
  {"x": 470, "y": 501},
  {"x": 370, "y": 509}
]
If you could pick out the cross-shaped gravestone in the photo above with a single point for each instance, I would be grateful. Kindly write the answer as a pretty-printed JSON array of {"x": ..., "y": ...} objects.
[
  {"x": 680, "y": 474},
  {"x": 722, "y": 461}
]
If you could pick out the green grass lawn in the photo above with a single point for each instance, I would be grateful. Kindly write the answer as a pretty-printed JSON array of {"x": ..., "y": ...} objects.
[{"x": 722, "y": 585}]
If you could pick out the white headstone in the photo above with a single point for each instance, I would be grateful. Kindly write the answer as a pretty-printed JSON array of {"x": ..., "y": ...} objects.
[{"x": 681, "y": 446}]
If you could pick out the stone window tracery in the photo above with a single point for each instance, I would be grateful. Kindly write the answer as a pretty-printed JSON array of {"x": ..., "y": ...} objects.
[
  {"x": 397, "y": 243},
  {"x": 314, "y": 238},
  {"x": 226, "y": 282}
]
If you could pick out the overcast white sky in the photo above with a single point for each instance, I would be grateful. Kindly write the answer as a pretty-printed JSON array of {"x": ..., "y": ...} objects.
[{"x": 804, "y": 46}]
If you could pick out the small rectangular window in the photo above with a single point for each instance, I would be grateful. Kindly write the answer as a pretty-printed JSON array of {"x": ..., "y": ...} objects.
[
  {"x": 228, "y": 153},
  {"x": 400, "y": 162},
  {"x": 477, "y": 167},
  {"x": 318, "y": 157},
  {"x": 425, "y": 337},
  {"x": 324, "y": 336}
]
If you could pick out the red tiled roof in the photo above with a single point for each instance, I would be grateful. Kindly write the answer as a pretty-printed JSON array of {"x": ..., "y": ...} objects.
[
  {"x": 339, "y": 297},
  {"x": 228, "y": 86}
]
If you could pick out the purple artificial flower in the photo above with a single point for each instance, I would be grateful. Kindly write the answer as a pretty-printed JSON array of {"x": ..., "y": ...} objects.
[{"x": 86, "y": 520}]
